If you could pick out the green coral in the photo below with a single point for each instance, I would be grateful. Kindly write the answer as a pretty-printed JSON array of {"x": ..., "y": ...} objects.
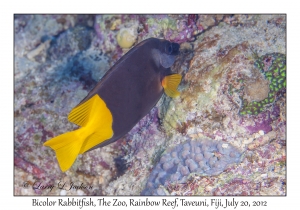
[{"x": 275, "y": 73}]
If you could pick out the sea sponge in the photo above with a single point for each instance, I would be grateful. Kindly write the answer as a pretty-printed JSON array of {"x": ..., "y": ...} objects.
[
  {"x": 203, "y": 157},
  {"x": 126, "y": 37}
]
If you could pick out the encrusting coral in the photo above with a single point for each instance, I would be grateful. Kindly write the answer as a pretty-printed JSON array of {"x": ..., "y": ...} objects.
[
  {"x": 203, "y": 157},
  {"x": 126, "y": 37}
]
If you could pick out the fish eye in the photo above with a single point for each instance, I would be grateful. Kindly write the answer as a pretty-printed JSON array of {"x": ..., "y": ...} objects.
[{"x": 169, "y": 48}]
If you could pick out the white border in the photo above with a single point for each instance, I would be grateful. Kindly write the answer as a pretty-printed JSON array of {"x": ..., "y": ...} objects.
[{"x": 153, "y": 6}]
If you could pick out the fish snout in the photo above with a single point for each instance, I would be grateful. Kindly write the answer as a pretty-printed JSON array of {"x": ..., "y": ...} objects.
[{"x": 175, "y": 48}]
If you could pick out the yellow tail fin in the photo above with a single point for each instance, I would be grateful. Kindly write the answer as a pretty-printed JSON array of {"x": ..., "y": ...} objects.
[
  {"x": 67, "y": 147},
  {"x": 97, "y": 127}
]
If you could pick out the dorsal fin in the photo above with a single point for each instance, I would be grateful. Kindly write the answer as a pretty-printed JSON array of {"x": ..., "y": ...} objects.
[
  {"x": 80, "y": 114},
  {"x": 170, "y": 84}
]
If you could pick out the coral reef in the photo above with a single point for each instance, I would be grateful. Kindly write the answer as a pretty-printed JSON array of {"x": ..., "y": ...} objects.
[
  {"x": 203, "y": 157},
  {"x": 178, "y": 29},
  {"x": 261, "y": 171},
  {"x": 32, "y": 30},
  {"x": 126, "y": 37},
  {"x": 70, "y": 42},
  {"x": 273, "y": 66},
  {"x": 229, "y": 64}
]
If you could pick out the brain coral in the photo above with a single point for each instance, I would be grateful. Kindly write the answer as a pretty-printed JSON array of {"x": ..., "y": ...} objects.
[
  {"x": 203, "y": 157},
  {"x": 273, "y": 66}
]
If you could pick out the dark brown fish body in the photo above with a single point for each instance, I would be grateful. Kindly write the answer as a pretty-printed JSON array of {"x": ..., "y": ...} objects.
[
  {"x": 132, "y": 87},
  {"x": 126, "y": 93}
]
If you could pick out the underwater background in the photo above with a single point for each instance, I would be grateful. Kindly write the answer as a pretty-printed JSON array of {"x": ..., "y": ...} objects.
[{"x": 224, "y": 135}]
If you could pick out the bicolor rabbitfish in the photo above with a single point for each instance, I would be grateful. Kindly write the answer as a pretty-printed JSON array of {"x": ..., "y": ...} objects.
[{"x": 125, "y": 94}]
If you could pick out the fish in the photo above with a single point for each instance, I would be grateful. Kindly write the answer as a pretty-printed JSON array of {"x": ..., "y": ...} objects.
[{"x": 122, "y": 97}]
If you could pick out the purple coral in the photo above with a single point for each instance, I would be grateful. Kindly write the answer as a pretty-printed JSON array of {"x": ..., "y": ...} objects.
[
  {"x": 261, "y": 122},
  {"x": 29, "y": 167},
  {"x": 187, "y": 29},
  {"x": 204, "y": 157}
]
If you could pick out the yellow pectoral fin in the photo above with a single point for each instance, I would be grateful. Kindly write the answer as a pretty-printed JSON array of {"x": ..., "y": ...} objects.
[{"x": 170, "y": 84}]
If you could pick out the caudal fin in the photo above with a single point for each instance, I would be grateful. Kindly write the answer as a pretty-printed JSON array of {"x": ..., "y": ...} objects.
[
  {"x": 96, "y": 121},
  {"x": 66, "y": 147}
]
